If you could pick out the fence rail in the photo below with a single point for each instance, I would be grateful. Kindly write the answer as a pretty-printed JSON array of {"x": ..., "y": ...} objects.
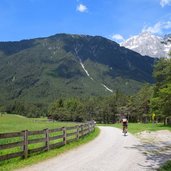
[{"x": 64, "y": 135}]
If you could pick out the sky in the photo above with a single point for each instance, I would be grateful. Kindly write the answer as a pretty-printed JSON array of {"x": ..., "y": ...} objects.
[{"x": 114, "y": 19}]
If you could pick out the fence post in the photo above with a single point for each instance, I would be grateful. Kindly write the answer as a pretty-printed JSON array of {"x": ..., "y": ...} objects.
[
  {"x": 47, "y": 139},
  {"x": 86, "y": 126},
  {"x": 89, "y": 128},
  {"x": 78, "y": 132},
  {"x": 64, "y": 134},
  {"x": 25, "y": 143},
  {"x": 93, "y": 124},
  {"x": 82, "y": 133}
]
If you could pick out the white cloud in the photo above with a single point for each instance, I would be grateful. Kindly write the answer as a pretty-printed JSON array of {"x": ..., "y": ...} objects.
[
  {"x": 117, "y": 37},
  {"x": 165, "y": 2},
  {"x": 82, "y": 8},
  {"x": 159, "y": 27}
]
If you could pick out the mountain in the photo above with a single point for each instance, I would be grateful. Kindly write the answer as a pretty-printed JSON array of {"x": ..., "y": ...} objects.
[
  {"x": 149, "y": 44},
  {"x": 63, "y": 65}
]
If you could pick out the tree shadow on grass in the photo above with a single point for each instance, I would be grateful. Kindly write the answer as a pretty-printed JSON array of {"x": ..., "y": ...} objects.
[{"x": 164, "y": 126}]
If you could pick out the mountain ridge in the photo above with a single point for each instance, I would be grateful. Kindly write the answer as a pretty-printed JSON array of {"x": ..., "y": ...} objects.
[{"x": 64, "y": 65}]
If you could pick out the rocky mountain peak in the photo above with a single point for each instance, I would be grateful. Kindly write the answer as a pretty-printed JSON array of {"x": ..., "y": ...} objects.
[{"x": 149, "y": 44}]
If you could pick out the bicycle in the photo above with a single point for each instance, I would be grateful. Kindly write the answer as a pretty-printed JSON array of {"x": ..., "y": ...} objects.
[{"x": 125, "y": 129}]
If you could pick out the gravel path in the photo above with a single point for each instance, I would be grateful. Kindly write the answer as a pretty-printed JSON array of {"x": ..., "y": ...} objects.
[{"x": 110, "y": 151}]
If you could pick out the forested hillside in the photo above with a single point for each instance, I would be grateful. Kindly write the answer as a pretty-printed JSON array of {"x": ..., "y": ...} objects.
[{"x": 37, "y": 72}]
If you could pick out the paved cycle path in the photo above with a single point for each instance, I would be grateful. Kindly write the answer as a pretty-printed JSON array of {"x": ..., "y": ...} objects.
[{"x": 110, "y": 151}]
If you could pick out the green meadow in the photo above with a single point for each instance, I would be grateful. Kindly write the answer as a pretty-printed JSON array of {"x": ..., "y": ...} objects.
[{"x": 13, "y": 123}]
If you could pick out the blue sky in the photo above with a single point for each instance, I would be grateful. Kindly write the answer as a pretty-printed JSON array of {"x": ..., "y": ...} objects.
[{"x": 114, "y": 19}]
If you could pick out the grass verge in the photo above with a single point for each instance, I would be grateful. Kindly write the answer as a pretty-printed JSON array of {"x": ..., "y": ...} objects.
[
  {"x": 18, "y": 163},
  {"x": 139, "y": 127},
  {"x": 166, "y": 166}
]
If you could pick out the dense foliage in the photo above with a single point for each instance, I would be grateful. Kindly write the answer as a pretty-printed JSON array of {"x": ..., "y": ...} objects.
[
  {"x": 161, "y": 101},
  {"x": 101, "y": 109}
]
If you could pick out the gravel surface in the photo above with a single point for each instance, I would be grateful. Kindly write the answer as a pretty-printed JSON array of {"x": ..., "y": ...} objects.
[
  {"x": 110, "y": 151},
  {"x": 156, "y": 136},
  {"x": 156, "y": 145}
]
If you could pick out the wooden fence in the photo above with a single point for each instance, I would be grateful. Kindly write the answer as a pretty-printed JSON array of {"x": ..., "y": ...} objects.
[{"x": 63, "y": 136}]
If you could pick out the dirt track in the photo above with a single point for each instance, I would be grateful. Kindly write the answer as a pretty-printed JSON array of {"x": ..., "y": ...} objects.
[{"x": 110, "y": 151}]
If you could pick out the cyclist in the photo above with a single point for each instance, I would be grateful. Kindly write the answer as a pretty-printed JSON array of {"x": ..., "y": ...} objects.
[{"x": 125, "y": 124}]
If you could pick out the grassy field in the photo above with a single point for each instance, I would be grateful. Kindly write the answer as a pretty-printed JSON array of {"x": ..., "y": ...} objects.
[
  {"x": 139, "y": 127},
  {"x": 17, "y": 123},
  {"x": 12, "y": 123}
]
